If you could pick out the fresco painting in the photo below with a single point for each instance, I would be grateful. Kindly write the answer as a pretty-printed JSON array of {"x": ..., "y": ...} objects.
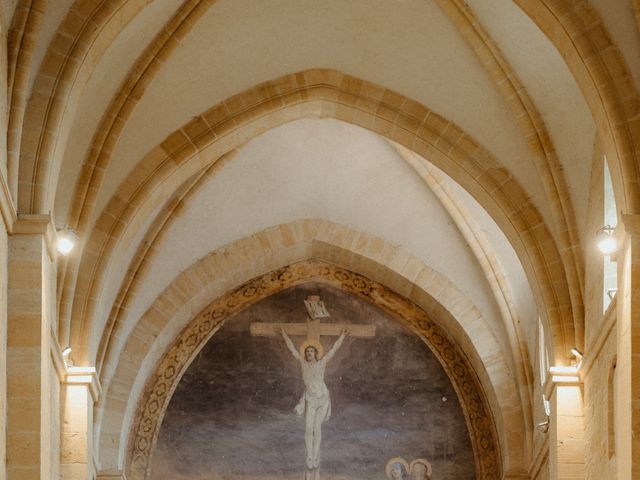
[{"x": 313, "y": 383}]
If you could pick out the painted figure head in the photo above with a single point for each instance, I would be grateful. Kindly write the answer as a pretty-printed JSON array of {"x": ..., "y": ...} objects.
[
  {"x": 311, "y": 350},
  {"x": 397, "y": 469},
  {"x": 310, "y": 353},
  {"x": 398, "y": 472},
  {"x": 420, "y": 470}
]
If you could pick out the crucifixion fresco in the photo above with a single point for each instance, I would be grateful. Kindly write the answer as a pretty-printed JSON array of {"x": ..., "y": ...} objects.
[
  {"x": 315, "y": 403},
  {"x": 366, "y": 389}
]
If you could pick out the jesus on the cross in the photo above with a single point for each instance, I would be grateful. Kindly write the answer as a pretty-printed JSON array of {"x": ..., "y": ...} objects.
[{"x": 315, "y": 402}]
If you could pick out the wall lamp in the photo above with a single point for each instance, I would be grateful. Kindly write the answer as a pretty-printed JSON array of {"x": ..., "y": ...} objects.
[
  {"x": 66, "y": 239},
  {"x": 544, "y": 426},
  {"x": 65, "y": 356},
  {"x": 577, "y": 353},
  {"x": 606, "y": 241}
]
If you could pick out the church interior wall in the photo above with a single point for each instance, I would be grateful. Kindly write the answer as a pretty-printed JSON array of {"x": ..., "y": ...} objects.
[
  {"x": 601, "y": 343},
  {"x": 192, "y": 288},
  {"x": 129, "y": 293}
]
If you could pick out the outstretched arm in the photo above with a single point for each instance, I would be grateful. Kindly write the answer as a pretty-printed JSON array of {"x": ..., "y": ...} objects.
[
  {"x": 290, "y": 344},
  {"x": 336, "y": 346}
]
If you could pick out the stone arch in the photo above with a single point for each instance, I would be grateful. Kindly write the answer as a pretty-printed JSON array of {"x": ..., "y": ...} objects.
[
  {"x": 141, "y": 347},
  {"x": 170, "y": 369},
  {"x": 111, "y": 126},
  {"x": 78, "y": 46},
  {"x": 576, "y": 30},
  {"x": 25, "y": 24},
  {"x": 606, "y": 85},
  {"x": 505, "y": 79},
  {"x": 330, "y": 94}
]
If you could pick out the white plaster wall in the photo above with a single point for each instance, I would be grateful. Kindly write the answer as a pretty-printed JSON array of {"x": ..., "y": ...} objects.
[
  {"x": 104, "y": 83},
  {"x": 413, "y": 49},
  {"x": 552, "y": 87},
  {"x": 316, "y": 169},
  {"x": 516, "y": 278},
  {"x": 113, "y": 280}
]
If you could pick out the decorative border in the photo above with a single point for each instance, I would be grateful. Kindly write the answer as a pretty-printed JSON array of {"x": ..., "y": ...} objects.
[{"x": 162, "y": 383}]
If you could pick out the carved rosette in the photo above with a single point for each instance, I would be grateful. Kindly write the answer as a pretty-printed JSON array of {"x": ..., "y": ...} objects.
[{"x": 161, "y": 385}]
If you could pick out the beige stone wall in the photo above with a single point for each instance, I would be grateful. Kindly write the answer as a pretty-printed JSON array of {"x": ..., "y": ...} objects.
[
  {"x": 54, "y": 407},
  {"x": 32, "y": 382},
  {"x": 543, "y": 473},
  {"x": 600, "y": 336},
  {"x": 4, "y": 247},
  {"x": 599, "y": 463},
  {"x": 539, "y": 467}
]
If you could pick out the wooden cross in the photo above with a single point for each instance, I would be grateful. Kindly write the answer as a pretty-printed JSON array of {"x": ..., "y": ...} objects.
[{"x": 313, "y": 329}]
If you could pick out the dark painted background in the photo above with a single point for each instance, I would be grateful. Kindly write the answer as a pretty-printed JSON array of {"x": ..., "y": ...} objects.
[{"x": 232, "y": 417}]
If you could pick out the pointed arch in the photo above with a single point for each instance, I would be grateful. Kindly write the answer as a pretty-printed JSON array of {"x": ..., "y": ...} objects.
[{"x": 329, "y": 94}]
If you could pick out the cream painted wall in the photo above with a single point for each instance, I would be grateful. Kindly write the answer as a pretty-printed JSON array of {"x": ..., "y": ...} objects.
[
  {"x": 516, "y": 278},
  {"x": 550, "y": 84},
  {"x": 102, "y": 86},
  {"x": 415, "y": 50},
  {"x": 314, "y": 169}
]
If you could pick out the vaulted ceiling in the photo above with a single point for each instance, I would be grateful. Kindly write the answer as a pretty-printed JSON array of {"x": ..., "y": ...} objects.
[{"x": 449, "y": 136}]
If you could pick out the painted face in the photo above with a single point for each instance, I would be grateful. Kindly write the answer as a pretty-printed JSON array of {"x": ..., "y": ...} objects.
[
  {"x": 310, "y": 353},
  {"x": 419, "y": 472},
  {"x": 396, "y": 471}
]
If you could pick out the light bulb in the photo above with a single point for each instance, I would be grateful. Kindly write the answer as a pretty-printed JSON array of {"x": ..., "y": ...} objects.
[
  {"x": 606, "y": 242},
  {"x": 66, "y": 240},
  {"x": 607, "y": 245}
]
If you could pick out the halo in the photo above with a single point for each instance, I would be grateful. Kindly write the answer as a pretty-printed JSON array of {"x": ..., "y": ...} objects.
[
  {"x": 391, "y": 462},
  {"x": 424, "y": 462},
  {"x": 309, "y": 342}
]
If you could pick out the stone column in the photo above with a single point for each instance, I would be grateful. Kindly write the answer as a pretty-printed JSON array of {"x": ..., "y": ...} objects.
[
  {"x": 31, "y": 399},
  {"x": 627, "y": 403},
  {"x": 5, "y": 224},
  {"x": 566, "y": 425},
  {"x": 80, "y": 390}
]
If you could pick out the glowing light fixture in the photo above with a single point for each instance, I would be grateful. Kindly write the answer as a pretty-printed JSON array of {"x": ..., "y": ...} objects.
[
  {"x": 607, "y": 243},
  {"x": 66, "y": 352},
  {"x": 66, "y": 240},
  {"x": 576, "y": 353}
]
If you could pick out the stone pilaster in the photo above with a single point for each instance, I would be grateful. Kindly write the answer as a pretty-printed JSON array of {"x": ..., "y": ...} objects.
[
  {"x": 4, "y": 249},
  {"x": 31, "y": 407},
  {"x": 566, "y": 424},
  {"x": 627, "y": 420},
  {"x": 80, "y": 391}
]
